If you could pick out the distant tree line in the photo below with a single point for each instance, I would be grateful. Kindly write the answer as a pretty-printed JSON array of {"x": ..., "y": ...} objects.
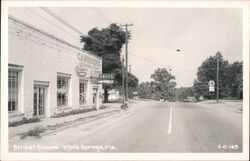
[{"x": 230, "y": 80}]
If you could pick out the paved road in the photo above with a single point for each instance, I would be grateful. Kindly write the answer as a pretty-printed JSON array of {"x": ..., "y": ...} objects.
[{"x": 155, "y": 127}]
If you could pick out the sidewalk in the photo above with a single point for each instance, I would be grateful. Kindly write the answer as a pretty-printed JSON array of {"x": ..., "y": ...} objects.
[{"x": 46, "y": 122}]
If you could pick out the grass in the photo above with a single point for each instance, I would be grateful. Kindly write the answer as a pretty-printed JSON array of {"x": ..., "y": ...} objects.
[
  {"x": 74, "y": 112},
  {"x": 35, "y": 132},
  {"x": 23, "y": 121}
]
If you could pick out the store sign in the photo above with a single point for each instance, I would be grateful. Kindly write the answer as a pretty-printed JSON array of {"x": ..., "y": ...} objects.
[
  {"x": 81, "y": 71},
  {"x": 106, "y": 78},
  {"x": 88, "y": 66}
]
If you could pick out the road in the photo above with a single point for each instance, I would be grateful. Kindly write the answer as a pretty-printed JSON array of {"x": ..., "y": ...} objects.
[{"x": 152, "y": 126}]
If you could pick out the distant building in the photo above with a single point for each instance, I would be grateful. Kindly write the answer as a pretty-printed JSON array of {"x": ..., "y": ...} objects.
[
  {"x": 114, "y": 95},
  {"x": 47, "y": 75}
]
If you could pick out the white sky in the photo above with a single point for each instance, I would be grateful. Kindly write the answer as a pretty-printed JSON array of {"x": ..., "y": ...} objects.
[{"x": 156, "y": 34}]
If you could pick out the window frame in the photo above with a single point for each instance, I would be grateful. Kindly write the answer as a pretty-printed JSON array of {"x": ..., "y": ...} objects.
[{"x": 66, "y": 78}]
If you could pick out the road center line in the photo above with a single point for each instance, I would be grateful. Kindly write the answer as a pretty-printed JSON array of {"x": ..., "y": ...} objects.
[{"x": 170, "y": 120}]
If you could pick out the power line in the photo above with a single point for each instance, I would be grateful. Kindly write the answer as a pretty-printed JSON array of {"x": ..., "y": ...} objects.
[
  {"x": 151, "y": 37},
  {"x": 52, "y": 23},
  {"x": 102, "y": 14},
  {"x": 62, "y": 20}
]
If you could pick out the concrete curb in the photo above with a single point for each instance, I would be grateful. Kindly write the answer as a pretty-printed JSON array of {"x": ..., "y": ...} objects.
[{"x": 14, "y": 131}]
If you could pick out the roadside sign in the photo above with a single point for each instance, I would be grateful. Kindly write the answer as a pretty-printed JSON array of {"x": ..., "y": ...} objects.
[
  {"x": 211, "y": 83},
  {"x": 211, "y": 88}
]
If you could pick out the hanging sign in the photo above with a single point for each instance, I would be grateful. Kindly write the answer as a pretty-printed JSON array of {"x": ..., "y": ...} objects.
[{"x": 106, "y": 78}]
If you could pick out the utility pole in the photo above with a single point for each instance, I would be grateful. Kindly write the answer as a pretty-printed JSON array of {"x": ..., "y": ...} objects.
[
  {"x": 126, "y": 57},
  {"x": 217, "y": 81},
  {"x": 123, "y": 90}
]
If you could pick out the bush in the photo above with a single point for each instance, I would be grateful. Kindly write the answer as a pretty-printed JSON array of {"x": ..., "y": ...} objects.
[
  {"x": 33, "y": 132},
  {"x": 23, "y": 121},
  {"x": 74, "y": 112}
]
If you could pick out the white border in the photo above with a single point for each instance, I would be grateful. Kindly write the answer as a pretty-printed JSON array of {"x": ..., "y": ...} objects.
[{"x": 5, "y": 155}]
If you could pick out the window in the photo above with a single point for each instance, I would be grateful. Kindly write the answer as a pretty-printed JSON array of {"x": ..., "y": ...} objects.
[
  {"x": 62, "y": 90},
  {"x": 81, "y": 92},
  {"x": 12, "y": 90}
]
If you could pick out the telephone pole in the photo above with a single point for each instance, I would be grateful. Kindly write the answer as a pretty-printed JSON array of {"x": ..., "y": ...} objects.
[
  {"x": 123, "y": 90},
  {"x": 126, "y": 57},
  {"x": 217, "y": 81}
]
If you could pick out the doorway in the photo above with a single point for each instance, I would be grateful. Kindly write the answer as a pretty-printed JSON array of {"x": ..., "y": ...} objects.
[{"x": 39, "y": 101}]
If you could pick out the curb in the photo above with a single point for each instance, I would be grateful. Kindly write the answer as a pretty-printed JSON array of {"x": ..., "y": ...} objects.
[{"x": 72, "y": 120}]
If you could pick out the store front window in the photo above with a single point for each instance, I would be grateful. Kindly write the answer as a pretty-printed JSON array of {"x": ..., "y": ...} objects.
[
  {"x": 62, "y": 91},
  {"x": 12, "y": 90},
  {"x": 82, "y": 92}
]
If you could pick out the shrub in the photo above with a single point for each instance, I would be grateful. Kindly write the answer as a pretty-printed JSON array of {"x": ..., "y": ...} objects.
[
  {"x": 23, "y": 121},
  {"x": 33, "y": 132},
  {"x": 73, "y": 112}
]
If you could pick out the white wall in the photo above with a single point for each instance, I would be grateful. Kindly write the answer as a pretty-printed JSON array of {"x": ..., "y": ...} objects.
[{"x": 42, "y": 57}]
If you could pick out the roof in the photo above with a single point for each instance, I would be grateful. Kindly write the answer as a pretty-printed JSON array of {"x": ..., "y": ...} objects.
[{"x": 52, "y": 36}]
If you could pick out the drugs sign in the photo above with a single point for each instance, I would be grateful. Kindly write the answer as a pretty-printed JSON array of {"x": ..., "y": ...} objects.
[{"x": 106, "y": 78}]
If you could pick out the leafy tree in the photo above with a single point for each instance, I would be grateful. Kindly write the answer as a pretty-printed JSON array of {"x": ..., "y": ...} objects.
[
  {"x": 208, "y": 71},
  {"x": 107, "y": 43},
  {"x": 163, "y": 84},
  {"x": 234, "y": 78},
  {"x": 145, "y": 90},
  {"x": 230, "y": 78}
]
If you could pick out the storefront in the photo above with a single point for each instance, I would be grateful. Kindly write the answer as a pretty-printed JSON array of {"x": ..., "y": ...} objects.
[{"x": 47, "y": 75}]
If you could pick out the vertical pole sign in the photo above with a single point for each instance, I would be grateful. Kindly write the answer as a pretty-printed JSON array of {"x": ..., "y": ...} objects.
[{"x": 211, "y": 85}]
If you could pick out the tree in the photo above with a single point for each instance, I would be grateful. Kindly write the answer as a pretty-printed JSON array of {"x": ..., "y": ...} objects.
[
  {"x": 207, "y": 71},
  {"x": 230, "y": 78},
  {"x": 145, "y": 90},
  {"x": 163, "y": 84},
  {"x": 107, "y": 44},
  {"x": 235, "y": 79}
]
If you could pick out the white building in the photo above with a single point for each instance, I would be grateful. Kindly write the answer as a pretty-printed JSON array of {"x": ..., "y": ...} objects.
[{"x": 48, "y": 75}]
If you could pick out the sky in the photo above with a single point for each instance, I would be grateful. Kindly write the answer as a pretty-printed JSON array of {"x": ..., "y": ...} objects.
[{"x": 156, "y": 34}]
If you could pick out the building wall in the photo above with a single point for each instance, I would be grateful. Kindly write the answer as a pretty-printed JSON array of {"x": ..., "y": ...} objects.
[{"x": 43, "y": 57}]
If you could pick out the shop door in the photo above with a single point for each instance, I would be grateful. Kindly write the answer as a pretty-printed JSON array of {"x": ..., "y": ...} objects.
[
  {"x": 95, "y": 95},
  {"x": 39, "y": 101},
  {"x": 82, "y": 93}
]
